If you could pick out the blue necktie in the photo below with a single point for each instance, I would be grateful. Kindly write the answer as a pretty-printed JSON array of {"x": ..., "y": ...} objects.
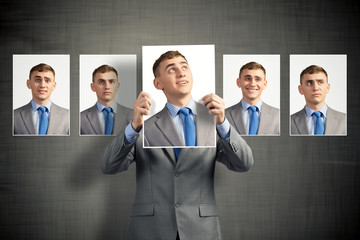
[
  {"x": 190, "y": 130},
  {"x": 109, "y": 121},
  {"x": 254, "y": 121},
  {"x": 44, "y": 121},
  {"x": 319, "y": 125}
]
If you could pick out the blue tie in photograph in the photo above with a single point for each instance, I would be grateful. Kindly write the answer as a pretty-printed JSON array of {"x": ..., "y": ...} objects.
[
  {"x": 44, "y": 121},
  {"x": 254, "y": 121},
  {"x": 109, "y": 121},
  {"x": 190, "y": 130},
  {"x": 319, "y": 125}
]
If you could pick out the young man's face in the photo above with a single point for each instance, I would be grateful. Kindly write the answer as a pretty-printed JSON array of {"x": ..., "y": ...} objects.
[
  {"x": 314, "y": 87},
  {"x": 252, "y": 83},
  {"x": 105, "y": 86},
  {"x": 42, "y": 84},
  {"x": 175, "y": 78}
]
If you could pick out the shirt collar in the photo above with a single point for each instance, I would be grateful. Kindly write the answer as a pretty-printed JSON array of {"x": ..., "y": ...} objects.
[
  {"x": 101, "y": 107},
  {"x": 35, "y": 106},
  {"x": 309, "y": 111},
  {"x": 174, "y": 109},
  {"x": 245, "y": 105}
]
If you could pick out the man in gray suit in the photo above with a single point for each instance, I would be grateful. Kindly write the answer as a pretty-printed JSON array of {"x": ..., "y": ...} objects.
[
  {"x": 175, "y": 188},
  {"x": 94, "y": 120},
  {"x": 41, "y": 116},
  {"x": 316, "y": 118},
  {"x": 252, "y": 81}
]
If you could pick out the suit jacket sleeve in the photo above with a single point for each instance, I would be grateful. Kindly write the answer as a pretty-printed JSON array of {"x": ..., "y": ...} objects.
[
  {"x": 236, "y": 155},
  {"x": 117, "y": 156}
]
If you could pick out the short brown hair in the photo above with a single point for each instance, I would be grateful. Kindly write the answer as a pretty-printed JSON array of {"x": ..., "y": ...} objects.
[
  {"x": 165, "y": 56},
  {"x": 42, "y": 67},
  {"x": 311, "y": 70},
  {"x": 104, "y": 69},
  {"x": 251, "y": 66}
]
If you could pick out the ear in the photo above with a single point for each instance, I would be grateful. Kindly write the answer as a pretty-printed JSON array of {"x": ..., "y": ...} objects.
[
  {"x": 28, "y": 84},
  {"x": 238, "y": 82},
  {"x": 300, "y": 90},
  {"x": 117, "y": 87},
  {"x": 265, "y": 83},
  {"x": 92, "y": 86},
  {"x": 328, "y": 88},
  {"x": 54, "y": 85},
  {"x": 157, "y": 84}
]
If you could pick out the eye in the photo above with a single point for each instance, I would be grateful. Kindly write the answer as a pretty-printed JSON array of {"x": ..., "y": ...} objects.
[
  {"x": 111, "y": 81},
  {"x": 37, "y": 80},
  {"x": 171, "y": 70},
  {"x": 184, "y": 67},
  {"x": 101, "y": 81}
]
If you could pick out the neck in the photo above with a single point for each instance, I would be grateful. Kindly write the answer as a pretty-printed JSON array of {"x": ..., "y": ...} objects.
[
  {"x": 41, "y": 102},
  {"x": 315, "y": 107},
  {"x": 252, "y": 102},
  {"x": 106, "y": 103},
  {"x": 179, "y": 102}
]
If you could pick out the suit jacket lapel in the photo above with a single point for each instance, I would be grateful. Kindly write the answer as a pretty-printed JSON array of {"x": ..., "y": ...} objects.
[
  {"x": 27, "y": 119},
  {"x": 331, "y": 120},
  {"x": 205, "y": 126},
  {"x": 300, "y": 122},
  {"x": 237, "y": 118},
  {"x": 265, "y": 118},
  {"x": 120, "y": 120},
  {"x": 54, "y": 119},
  {"x": 93, "y": 119},
  {"x": 167, "y": 127}
]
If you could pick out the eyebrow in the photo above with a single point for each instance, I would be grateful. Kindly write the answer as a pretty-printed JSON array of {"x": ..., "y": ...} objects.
[
  {"x": 251, "y": 75},
  {"x": 173, "y": 64}
]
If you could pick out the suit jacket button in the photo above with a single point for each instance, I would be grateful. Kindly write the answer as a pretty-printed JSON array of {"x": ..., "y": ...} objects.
[{"x": 177, "y": 204}]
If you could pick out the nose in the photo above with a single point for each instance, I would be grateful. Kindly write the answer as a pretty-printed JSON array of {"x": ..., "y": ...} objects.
[
  {"x": 181, "y": 72},
  {"x": 316, "y": 86},
  {"x": 107, "y": 84},
  {"x": 252, "y": 82}
]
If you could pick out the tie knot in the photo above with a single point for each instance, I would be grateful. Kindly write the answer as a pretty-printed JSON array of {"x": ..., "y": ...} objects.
[
  {"x": 108, "y": 109},
  {"x": 317, "y": 114},
  {"x": 253, "y": 108},
  {"x": 185, "y": 111},
  {"x": 42, "y": 109}
]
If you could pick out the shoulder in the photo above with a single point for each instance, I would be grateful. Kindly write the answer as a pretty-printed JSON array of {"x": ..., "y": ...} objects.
[
  {"x": 234, "y": 107},
  {"x": 331, "y": 113},
  {"x": 59, "y": 109},
  {"x": 90, "y": 109},
  {"x": 297, "y": 114},
  {"x": 122, "y": 108},
  {"x": 270, "y": 108},
  {"x": 22, "y": 108}
]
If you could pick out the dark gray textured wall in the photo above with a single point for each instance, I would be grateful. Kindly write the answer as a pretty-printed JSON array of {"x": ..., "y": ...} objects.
[{"x": 299, "y": 188}]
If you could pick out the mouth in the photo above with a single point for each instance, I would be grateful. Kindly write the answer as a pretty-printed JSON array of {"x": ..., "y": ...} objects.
[
  {"x": 107, "y": 93},
  {"x": 252, "y": 90},
  {"x": 42, "y": 91},
  {"x": 182, "y": 82}
]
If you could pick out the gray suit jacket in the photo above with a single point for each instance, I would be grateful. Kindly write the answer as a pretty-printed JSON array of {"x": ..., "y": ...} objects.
[
  {"x": 160, "y": 130},
  {"x": 335, "y": 123},
  {"x": 58, "y": 121},
  {"x": 269, "y": 119},
  {"x": 175, "y": 196},
  {"x": 90, "y": 124}
]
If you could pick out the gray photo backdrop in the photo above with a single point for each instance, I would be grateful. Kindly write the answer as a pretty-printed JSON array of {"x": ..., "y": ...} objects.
[{"x": 299, "y": 187}]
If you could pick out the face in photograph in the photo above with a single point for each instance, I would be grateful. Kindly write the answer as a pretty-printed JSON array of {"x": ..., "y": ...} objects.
[
  {"x": 105, "y": 85},
  {"x": 174, "y": 78},
  {"x": 314, "y": 87},
  {"x": 252, "y": 83},
  {"x": 42, "y": 84}
]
